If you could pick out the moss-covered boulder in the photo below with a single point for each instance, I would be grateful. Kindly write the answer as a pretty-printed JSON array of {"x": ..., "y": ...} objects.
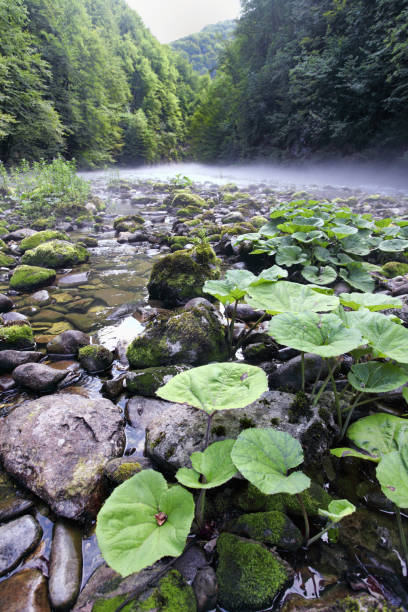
[
  {"x": 182, "y": 198},
  {"x": 56, "y": 254},
  {"x": 271, "y": 528},
  {"x": 128, "y": 223},
  {"x": 194, "y": 336},
  {"x": 95, "y": 358},
  {"x": 31, "y": 242},
  {"x": 6, "y": 261},
  {"x": 249, "y": 576},
  {"x": 180, "y": 276},
  {"x": 16, "y": 337},
  {"x": 28, "y": 278},
  {"x": 146, "y": 382},
  {"x": 394, "y": 268}
]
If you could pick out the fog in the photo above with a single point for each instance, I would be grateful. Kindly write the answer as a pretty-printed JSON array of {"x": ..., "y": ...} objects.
[{"x": 369, "y": 177}]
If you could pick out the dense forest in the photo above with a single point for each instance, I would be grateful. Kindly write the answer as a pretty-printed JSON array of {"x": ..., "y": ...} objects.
[
  {"x": 302, "y": 77},
  {"x": 85, "y": 78},
  {"x": 202, "y": 49}
]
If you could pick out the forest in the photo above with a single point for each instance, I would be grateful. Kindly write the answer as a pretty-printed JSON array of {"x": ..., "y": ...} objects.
[{"x": 86, "y": 79}]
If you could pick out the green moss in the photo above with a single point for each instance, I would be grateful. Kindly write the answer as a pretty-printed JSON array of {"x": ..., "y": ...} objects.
[
  {"x": 16, "y": 336},
  {"x": 272, "y": 528},
  {"x": 249, "y": 576},
  {"x": 56, "y": 254},
  {"x": 146, "y": 382},
  {"x": 6, "y": 261},
  {"x": 299, "y": 408},
  {"x": 237, "y": 229},
  {"x": 258, "y": 221},
  {"x": 95, "y": 357},
  {"x": 250, "y": 499},
  {"x": 218, "y": 430},
  {"x": 125, "y": 471},
  {"x": 110, "y": 605},
  {"x": 246, "y": 423},
  {"x": 184, "y": 197},
  {"x": 27, "y": 278},
  {"x": 394, "y": 268},
  {"x": 187, "y": 212},
  {"x": 31, "y": 242},
  {"x": 128, "y": 223},
  {"x": 3, "y": 245}
]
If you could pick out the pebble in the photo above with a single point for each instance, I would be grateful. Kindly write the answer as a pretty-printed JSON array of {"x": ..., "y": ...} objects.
[
  {"x": 65, "y": 566},
  {"x": 17, "y": 539},
  {"x": 25, "y": 591}
]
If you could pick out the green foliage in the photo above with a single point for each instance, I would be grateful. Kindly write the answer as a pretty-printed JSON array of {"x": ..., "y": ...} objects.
[
  {"x": 337, "y": 510},
  {"x": 376, "y": 377},
  {"x": 284, "y": 296},
  {"x": 371, "y": 301},
  {"x": 211, "y": 468},
  {"x": 264, "y": 457},
  {"x": 392, "y": 474},
  {"x": 142, "y": 521}
]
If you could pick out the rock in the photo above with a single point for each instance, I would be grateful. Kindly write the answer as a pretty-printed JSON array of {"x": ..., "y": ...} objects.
[
  {"x": 205, "y": 587},
  {"x": 141, "y": 411},
  {"x": 12, "y": 500},
  {"x": 178, "y": 430},
  {"x": 56, "y": 254},
  {"x": 38, "y": 377},
  {"x": 28, "y": 278},
  {"x": 58, "y": 445},
  {"x": 16, "y": 337},
  {"x": 12, "y": 317},
  {"x": 124, "y": 237},
  {"x": 272, "y": 528},
  {"x": 289, "y": 375},
  {"x": 139, "y": 237},
  {"x": 25, "y": 591},
  {"x": 338, "y": 599},
  {"x": 42, "y": 298},
  {"x": 192, "y": 337},
  {"x": 119, "y": 470},
  {"x": 19, "y": 234},
  {"x": 95, "y": 358},
  {"x": 180, "y": 276},
  {"x": 9, "y": 359},
  {"x": 128, "y": 223},
  {"x": 190, "y": 562},
  {"x": 113, "y": 388},
  {"x": 17, "y": 539},
  {"x": 31, "y": 242},
  {"x": 65, "y": 566},
  {"x": 244, "y": 312},
  {"x": 233, "y": 217},
  {"x": 394, "y": 268},
  {"x": 68, "y": 343},
  {"x": 73, "y": 280},
  {"x": 80, "y": 321},
  {"x": 249, "y": 576},
  {"x": 6, "y": 261},
  {"x": 5, "y": 303},
  {"x": 260, "y": 351},
  {"x": 146, "y": 382}
]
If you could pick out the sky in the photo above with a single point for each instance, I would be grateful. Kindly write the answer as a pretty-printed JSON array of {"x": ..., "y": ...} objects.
[{"x": 172, "y": 19}]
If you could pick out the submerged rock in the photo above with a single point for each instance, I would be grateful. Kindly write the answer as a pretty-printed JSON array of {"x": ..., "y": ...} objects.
[
  {"x": 17, "y": 539},
  {"x": 9, "y": 359},
  {"x": 28, "y": 278},
  {"x": 65, "y": 566},
  {"x": 25, "y": 591},
  {"x": 56, "y": 254},
  {"x": 58, "y": 445},
  {"x": 38, "y": 377}
]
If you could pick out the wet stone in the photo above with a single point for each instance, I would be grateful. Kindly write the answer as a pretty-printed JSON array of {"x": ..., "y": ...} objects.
[
  {"x": 9, "y": 359},
  {"x": 12, "y": 500},
  {"x": 205, "y": 587},
  {"x": 68, "y": 343},
  {"x": 65, "y": 566},
  {"x": 5, "y": 303},
  {"x": 72, "y": 280},
  {"x": 12, "y": 317},
  {"x": 17, "y": 538},
  {"x": 26, "y": 591},
  {"x": 38, "y": 377}
]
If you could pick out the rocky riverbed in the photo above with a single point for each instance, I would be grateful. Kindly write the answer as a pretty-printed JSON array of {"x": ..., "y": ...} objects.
[{"x": 96, "y": 316}]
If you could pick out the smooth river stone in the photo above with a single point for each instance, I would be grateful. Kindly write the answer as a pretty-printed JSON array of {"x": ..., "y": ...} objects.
[
  {"x": 58, "y": 446},
  {"x": 12, "y": 500},
  {"x": 65, "y": 566},
  {"x": 25, "y": 591},
  {"x": 10, "y": 359},
  {"x": 38, "y": 377},
  {"x": 17, "y": 539}
]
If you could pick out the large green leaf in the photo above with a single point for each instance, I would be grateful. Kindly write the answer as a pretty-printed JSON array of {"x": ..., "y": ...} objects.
[
  {"x": 215, "y": 464},
  {"x": 284, "y": 296},
  {"x": 308, "y": 237},
  {"x": 218, "y": 386},
  {"x": 341, "y": 231},
  {"x": 355, "y": 275},
  {"x": 128, "y": 527},
  {"x": 321, "y": 276},
  {"x": 376, "y": 377},
  {"x": 337, "y": 510},
  {"x": 301, "y": 224},
  {"x": 324, "y": 335},
  {"x": 356, "y": 245},
  {"x": 379, "y": 434},
  {"x": 344, "y": 452},
  {"x": 290, "y": 256},
  {"x": 264, "y": 457},
  {"x": 324, "y": 255},
  {"x": 232, "y": 287},
  {"x": 271, "y": 275},
  {"x": 393, "y": 246},
  {"x": 392, "y": 474},
  {"x": 371, "y": 301}
]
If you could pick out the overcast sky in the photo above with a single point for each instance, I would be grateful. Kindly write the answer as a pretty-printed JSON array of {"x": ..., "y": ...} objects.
[{"x": 172, "y": 19}]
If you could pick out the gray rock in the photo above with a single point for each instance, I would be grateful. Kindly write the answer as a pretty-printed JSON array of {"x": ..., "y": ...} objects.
[
  {"x": 5, "y": 303},
  {"x": 141, "y": 411},
  {"x": 25, "y": 591},
  {"x": 120, "y": 469},
  {"x": 65, "y": 566},
  {"x": 95, "y": 358},
  {"x": 124, "y": 237},
  {"x": 205, "y": 587},
  {"x": 9, "y": 360},
  {"x": 138, "y": 237},
  {"x": 72, "y": 280},
  {"x": 234, "y": 217},
  {"x": 17, "y": 539},
  {"x": 113, "y": 388},
  {"x": 12, "y": 317},
  {"x": 19, "y": 234},
  {"x": 38, "y": 377},
  {"x": 190, "y": 562},
  {"x": 12, "y": 500},
  {"x": 42, "y": 297},
  {"x": 289, "y": 375},
  {"x": 146, "y": 382},
  {"x": 68, "y": 343},
  {"x": 175, "y": 430},
  {"x": 58, "y": 445},
  {"x": 244, "y": 312}
]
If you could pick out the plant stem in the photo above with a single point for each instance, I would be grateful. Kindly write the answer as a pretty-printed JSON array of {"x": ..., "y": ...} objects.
[
  {"x": 302, "y": 357},
  {"x": 325, "y": 383},
  {"x": 231, "y": 328},
  {"x": 200, "y": 508},
  {"x": 336, "y": 400},
  {"x": 317, "y": 378},
  {"x": 402, "y": 534},
  {"x": 207, "y": 433},
  {"x": 319, "y": 535},
  {"x": 305, "y": 518},
  {"x": 251, "y": 329},
  {"x": 350, "y": 414}
]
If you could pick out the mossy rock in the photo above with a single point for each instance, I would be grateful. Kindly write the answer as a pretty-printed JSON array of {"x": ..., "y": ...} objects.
[
  {"x": 273, "y": 528},
  {"x": 172, "y": 594},
  {"x": 6, "y": 261},
  {"x": 56, "y": 254},
  {"x": 394, "y": 268},
  {"x": 178, "y": 277},
  {"x": 249, "y": 576},
  {"x": 16, "y": 337},
  {"x": 193, "y": 336},
  {"x": 238, "y": 229},
  {"x": 88, "y": 241},
  {"x": 128, "y": 223},
  {"x": 28, "y": 278},
  {"x": 258, "y": 221},
  {"x": 95, "y": 358},
  {"x": 146, "y": 382},
  {"x": 31, "y": 242},
  {"x": 3, "y": 245},
  {"x": 184, "y": 197}
]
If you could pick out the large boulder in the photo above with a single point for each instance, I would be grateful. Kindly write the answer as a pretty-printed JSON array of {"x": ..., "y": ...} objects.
[
  {"x": 56, "y": 254},
  {"x": 58, "y": 445},
  {"x": 29, "y": 278},
  {"x": 179, "y": 430},
  {"x": 16, "y": 337},
  {"x": 194, "y": 337},
  {"x": 9, "y": 360},
  {"x": 180, "y": 276},
  {"x": 38, "y": 376},
  {"x": 68, "y": 343},
  {"x": 31, "y": 242}
]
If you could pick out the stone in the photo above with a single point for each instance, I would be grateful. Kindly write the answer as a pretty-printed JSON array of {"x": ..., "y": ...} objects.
[
  {"x": 205, "y": 587},
  {"x": 65, "y": 572},
  {"x": 42, "y": 297},
  {"x": 58, "y": 445},
  {"x": 17, "y": 538},
  {"x": 233, "y": 217},
  {"x": 120, "y": 469},
  {"x": 16, "y": 337},
  {"x": 174, "y": 431},
  {"x": 56, "y": 254},
  {"x": 38, "y": 377},
  {"x": 19, "y": 234},
  {"x": 73, "y": 280},
  {"x": 95, "y": 358},
  {"x": 6, "y": 303},
  {"x": 12, "y": 317},
  {"x": 30, "y": 242},
  {"x": 289, "y": 375},
  {"x": 9, "y": 359},
  {"x": 146, "y": 382},
  {"x": 244, "y": 312},
  {"x": 28, "y": 278},
  {"x": 113, "y": 388},
  {"x": 13, "y": 501},
  {"x": 394, "y": 268},
  {"x": 68, "y": 343},
  {"x": 25, "y": 591},
  {"x": 194, "y": 337},
  {"x": 272, "y": 528},
  {"x": 259, "y": 352},
  {"x": 249, "y": 576}
]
